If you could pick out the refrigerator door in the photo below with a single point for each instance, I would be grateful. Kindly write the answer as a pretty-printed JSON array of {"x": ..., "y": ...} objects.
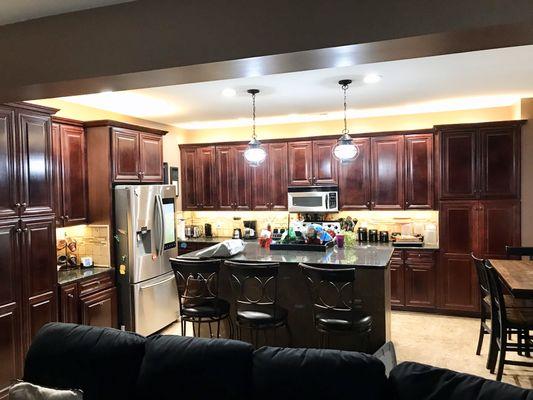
[{"x": 156, "y": 303}]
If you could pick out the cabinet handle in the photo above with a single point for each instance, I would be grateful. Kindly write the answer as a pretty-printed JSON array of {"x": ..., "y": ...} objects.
[
  {"x": 70, "y": 296},
  {"x": 18, "y": 230},
  {"x": 406, "y": 203},
  {"x": 24, "y": 229},
  {"x": 67, "y": 217},
  {"x": 24, "y": 205},
  {"x": 17, "y": 205}
]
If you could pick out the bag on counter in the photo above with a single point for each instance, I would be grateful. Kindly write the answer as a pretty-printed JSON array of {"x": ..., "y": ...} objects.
[{"x": 225, "y": 249}]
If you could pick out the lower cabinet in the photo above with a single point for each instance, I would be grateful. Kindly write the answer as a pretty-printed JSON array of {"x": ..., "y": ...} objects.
[
  {"x": 91, "y": 301},
  {"x": 413, "y": 279}
]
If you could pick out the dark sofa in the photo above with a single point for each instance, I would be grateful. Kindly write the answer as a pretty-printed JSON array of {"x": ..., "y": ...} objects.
[{"x": 110, "y": 364}]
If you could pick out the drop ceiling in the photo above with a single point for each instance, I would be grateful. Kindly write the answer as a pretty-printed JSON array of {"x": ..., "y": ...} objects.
[{"x": 466, "y": 80}]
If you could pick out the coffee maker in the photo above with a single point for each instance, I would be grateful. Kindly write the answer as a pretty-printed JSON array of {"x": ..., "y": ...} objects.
[{"x": 250, "y": 230}]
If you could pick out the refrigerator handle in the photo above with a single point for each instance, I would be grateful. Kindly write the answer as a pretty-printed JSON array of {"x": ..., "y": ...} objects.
[{"x": 161, "y": 224}]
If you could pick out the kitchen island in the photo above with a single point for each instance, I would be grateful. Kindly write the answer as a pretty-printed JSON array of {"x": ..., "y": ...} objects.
[{"x": 372, "y": 287}]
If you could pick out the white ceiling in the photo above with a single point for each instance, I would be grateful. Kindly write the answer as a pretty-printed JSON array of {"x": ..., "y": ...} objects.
[
  {"x": 458, "y": 81},
  {"x": 12, "y": 11}
]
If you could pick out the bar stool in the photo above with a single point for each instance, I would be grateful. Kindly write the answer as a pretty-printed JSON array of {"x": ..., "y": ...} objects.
[
  {"x": 335, "y": 309},
  {"x": 519, "y": 251},
  {"x": 197, "y": 282},
  {"x": 504, "y": 321},
  {"x": 255, "y": 291}
]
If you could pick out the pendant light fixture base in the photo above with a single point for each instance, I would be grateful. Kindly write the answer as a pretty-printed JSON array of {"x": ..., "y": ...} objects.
[
  {"x": 253, "y": 91},
  {"x": 345, "y": 82}
]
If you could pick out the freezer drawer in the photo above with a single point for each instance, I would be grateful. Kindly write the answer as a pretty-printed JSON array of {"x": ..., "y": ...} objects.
[{"x": 156, "y": 303}]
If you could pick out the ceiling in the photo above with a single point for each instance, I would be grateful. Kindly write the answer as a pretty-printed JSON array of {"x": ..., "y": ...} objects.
[
  {"x": 12, "y": 11},
  {"x": 458, "y": 81}
]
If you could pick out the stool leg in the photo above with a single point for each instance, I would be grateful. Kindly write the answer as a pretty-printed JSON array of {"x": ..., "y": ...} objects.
[
  {"x": 289, "y": 333},
  {"x": 526, "y": 343},
  {"x": 501, "y": 361},
  {"x": 199, "y": 327},
  {"x": 193, "y": 329},
  {"x": 480, "y": 337},
  {"x": 218, "y": 328},
  {"x": 210, "y": 331}
]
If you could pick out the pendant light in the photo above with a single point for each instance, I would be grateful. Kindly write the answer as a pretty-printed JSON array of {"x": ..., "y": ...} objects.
[
  {"x": 254, "y": 154},
  {"x": 345, "y": 149}
]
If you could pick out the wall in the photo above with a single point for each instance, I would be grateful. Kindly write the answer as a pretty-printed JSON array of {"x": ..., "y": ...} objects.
[{"x": 527, "y": 173}]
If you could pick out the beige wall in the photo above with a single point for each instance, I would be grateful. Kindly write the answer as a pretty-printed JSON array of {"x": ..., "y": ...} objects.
[{"x": 527, "y": 173}]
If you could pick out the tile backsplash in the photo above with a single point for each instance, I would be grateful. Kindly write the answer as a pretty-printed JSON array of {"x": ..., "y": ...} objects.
[{"x": 91, "y": 240}]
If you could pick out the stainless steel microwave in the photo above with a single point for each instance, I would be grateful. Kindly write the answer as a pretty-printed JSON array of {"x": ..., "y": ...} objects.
[{"x": 313, "y": 198}]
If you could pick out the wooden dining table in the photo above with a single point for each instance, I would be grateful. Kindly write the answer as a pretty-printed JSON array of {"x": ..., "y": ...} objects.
[{"x": 516, "y": 275}]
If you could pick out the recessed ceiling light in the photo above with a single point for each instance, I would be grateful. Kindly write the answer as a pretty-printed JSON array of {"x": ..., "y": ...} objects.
[
  {"x": 229, "y": 92},
  {"x": 372, "y": 78}
]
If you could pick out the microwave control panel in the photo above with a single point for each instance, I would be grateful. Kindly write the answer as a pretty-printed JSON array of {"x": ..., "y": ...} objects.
[{"x": 332, "y": 200}]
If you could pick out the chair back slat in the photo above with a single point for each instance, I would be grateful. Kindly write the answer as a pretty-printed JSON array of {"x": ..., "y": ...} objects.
[
  {"x": 519, "y": 252},
  {"x": 496, "y": 294},
  {"x": 481, "y": 273}
]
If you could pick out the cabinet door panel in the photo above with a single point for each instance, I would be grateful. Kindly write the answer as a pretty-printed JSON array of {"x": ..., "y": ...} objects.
[
  {"x": 68, "y": 302},
  {"x": 206, "y": 184},
  {"x": 354, "y": 179},
  {"x": 458, "y": 164},
  {"x": 300, "y": 163},
  {"x": 151, "y": 157},
  {"x": 125, "y": 155},
  {"x": 419, "y": 285},
  {"x": 458, "y": 227},
  {"x": 397, "y": 283},
  {"x": 387, "y": 172},
  {"x": 243, "y": 179},
  {"x": 261, "y": 184},
  {"x": 419, "y": 193},
  {"x": 35, "y": 149},
  {"x": 42, "y": 309},
  {"x": 499, "y": 226},
  {"x": 188, "y": 179},
  {"x": 458, "y": 283},
  {"x": 278, "y": 173},
  {"x": 500, "y": 162},
  {"x": 100, "y": 309},
  {"x": 10, "y": 347},
  {"x": 74, "y": 175},
  {"x": 9, "y": 267},
  {"x": 57, "y": 176},
  {"x": 225, "y": 178},
  {"x": 324, "y": 164},
  {"x": 8, "y": 186}
]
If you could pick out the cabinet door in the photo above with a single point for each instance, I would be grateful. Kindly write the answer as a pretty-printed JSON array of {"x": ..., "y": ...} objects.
[
  {"x": 499, "y": 226},
  {"x": 206, "y": 184},
  {"x": 151, "y": 157},
  {"x": 8, "y": 183},
  {"x": 324, "y": 164},
  {"x": 419, "y": 279},
  {"x": 35, "y": 150},
  {"x": 458, "y": 227},
  {"x": 225, "y": 170},
  {"x": 354, "y": 179},
  {"x": 419, "y": 193},
  {"x": 39, "y": 273},
  {"x": 10, "y": 308},
  {"x": 125, "y": 153},
  {"x": 261, "y": 184},
  {"x": 243, "y": 179},
  {"x": 457, "y": 282},
  {"x": 397, "y": 279},
  {"x": 57, "y": 174},
  {"x": 73, "y": 175},
  {"x": 387, "y": 172},
  {"x": 500, "y": 162},
  {"x": 277, "y": 153},
  {"x": 188, "y": 178},
  {"x": 300, "y": 163},
  {"x": 100, "y": 309},
  {"x": 458, "y": 164},
  {"x": 68, "y": 303}
]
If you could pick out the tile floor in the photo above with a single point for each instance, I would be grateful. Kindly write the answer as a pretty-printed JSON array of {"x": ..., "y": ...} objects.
[{"x": 443, "y": 341}]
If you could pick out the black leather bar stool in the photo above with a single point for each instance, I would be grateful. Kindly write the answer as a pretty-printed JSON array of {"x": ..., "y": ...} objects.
[
  {"x": 198, "y": 283},
  {"x": 335, "y": 308},
  {"x": 519, "y": 252},
  {"x": 255, "y": 292},
  {"x": 504, "y": 321}
]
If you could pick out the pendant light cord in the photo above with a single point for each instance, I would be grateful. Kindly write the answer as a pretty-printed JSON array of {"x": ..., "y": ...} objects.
[
  {"x": 345, "y": 130},
  {"x": 253, "y": 116}
]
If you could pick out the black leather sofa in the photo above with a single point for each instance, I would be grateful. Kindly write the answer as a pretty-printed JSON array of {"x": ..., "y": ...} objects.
[{"x": 110, "y": 364}]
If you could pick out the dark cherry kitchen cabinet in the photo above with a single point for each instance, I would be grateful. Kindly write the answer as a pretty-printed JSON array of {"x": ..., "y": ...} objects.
[
  {"x": 354, "y": 179},
  {"x": 126, "y": 166},
  {"x": 151, "y": 157},
  {"x": 480, "y": 161},
  {"x": 419, "y": 183},
  {"x": 269, "y": 180},
  {"x": 69, "y": 172},
  {"x": 387, "y": 174},
  {"x": 312, "y": 162},
  {"x": 100, "y": 309},
  {"x": 234, "y": 178},
  {"x": 397, "y": 279},
  {"x": 199, "y": 178},
  {"x": 68, "y": 303},
  {"x": 8, "y": 159},
  {"x": 188, "y": 178}
]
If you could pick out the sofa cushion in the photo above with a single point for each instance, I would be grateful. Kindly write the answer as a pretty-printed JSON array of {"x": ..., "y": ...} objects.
[
  {"x": 102, "y": 362},
  {"x": 195, "y": 368},
  {"x": 410, "y": 380},
  {"x": 283, "y": 373}
]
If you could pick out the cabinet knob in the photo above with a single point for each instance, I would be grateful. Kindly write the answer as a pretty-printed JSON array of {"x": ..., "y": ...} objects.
[
  {"x": 70, "y": 296},
  {"x": 24, "y": 204},
  {"x": 24, "y": 229},
  {"x": 67, "y": 217},
  {"x": 18, "y": 230},
  {"x": 17, "y": 205}
]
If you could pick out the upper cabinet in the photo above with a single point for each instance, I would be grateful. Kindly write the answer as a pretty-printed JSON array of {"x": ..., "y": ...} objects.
[
  {"x": 8, "y": 182},
  {"x": 354, "y": 179},
  {"x": 151, "y": 157},
  {"x": 199, "y": 178},
  {"x": 419, "y": 182},
  {"x": 312, "y": 163},
  {"x": 233, "y": 178},
  {"x": 480, "y": 160},
  {"x": 387, "y": 172},
  {"x": 69, "y": 172},
  {"x": 269, "y": 180}
]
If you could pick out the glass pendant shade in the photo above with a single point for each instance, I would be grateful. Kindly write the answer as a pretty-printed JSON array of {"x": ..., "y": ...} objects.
[
  {"x": 255, "y": 154},
  {"x": 345, "y": 149}
]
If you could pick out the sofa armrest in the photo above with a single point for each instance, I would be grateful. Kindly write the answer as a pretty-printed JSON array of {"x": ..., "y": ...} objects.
[{"x": 387, "y": 355}]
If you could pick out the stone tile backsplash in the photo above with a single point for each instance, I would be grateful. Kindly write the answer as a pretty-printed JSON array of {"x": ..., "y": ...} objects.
[{"x": 92, "y": 240}]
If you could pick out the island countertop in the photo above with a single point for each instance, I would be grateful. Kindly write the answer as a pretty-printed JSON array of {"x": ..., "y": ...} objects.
[{"x": 367, "y": 256}]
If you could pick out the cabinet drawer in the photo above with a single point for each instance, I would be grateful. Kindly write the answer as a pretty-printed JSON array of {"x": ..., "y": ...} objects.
[
  {"x": 397, "y": 256},
  {"x": 419, "y": 256},
  {"x": 95, "y": 284}
]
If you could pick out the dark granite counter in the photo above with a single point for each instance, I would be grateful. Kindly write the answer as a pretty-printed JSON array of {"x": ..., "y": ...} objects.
[
  {"x": 65, "y": 276},
  {"x": 204, "y": 239}
]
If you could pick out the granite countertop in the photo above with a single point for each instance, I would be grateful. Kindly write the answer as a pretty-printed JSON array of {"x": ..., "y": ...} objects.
[
  {"x": 75, "y": 274},
  {"x": 205, "y": 239},
  {"x": 359, "y": 256}
]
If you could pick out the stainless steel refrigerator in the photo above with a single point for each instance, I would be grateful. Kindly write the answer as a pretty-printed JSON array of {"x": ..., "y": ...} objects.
[{"x": 145, "y": 240}]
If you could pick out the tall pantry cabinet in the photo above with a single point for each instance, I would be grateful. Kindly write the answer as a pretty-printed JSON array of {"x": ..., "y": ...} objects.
[{"x": 28, "y": 275}]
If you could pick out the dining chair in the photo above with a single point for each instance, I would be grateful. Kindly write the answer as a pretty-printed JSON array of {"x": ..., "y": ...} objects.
[
  {"x": 335, "y": 308},
  {"x": 519, "y": 252},
  {"x": 484, "y": 299},
  {"x": 197, "y": 282}
]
